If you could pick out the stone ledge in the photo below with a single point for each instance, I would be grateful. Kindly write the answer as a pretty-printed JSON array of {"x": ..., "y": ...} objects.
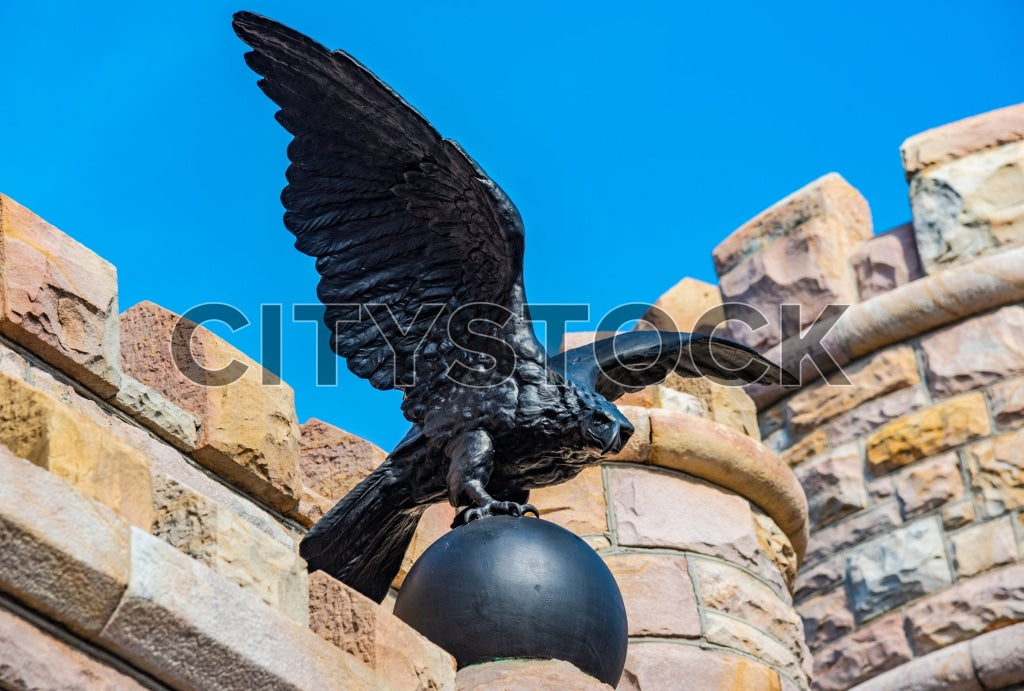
[
  {"x": 660, "y": 665},
  {"x": 527, "y": 675},
  {"x": 147, "y": 407}
]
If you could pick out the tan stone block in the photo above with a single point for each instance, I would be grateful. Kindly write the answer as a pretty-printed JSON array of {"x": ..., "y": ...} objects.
[
  {"x": 64, "y": 555},
  {"x": 869, "y": 379},
  {"x": 654, "y": 665},
  {"x": 728, "y": 405},
  {"x": 311, "y": 508},
  {"x": 435, "y": 522},
  {"x": 886, "y": 261},
  {"x": 12, "y": 364},
  {"x": 826, "y": 617},
  {"x": 849, "y": 532},
  {"x": 962, "y": 138},
  {"x": 927, "y": 433},
  {"x": 957, "y": 515},
  {"x": 949, "y": 669},
  {"x": 249, "y": 434},
  {"x": 820, "y": 577},
  {"x": 998, "y": 657},
  {"x": 868, "y": 416},
  {"x": 869, "y": 651},
  {"x": 983, "y": 547},
  {"x": 738, "y": 635},
  {"x": 881, "y": 489},
  {"x": 146, "y": 406},
  {"x": 808, "y": 447},
  {"x": 658, "y": 509},
  {"x": 658, "y": 594},
  {"x": 930, "y": 484},
  {"x": 732, "y": 591},
  {"x": 358, "y": 625},
  {"x": 971, "y": 607},
  {"x": 834, "y": 486},
  {"x": 1006, "y": 399},
  {"x": 645, "y": 398},
  {"x": 973, "y": 353},
  {"x": 778, "y": 558},
  {"x": 33, "y": 659},
  {"x": 692, "y": 306},
  {"x": 59, "y": 298},
  {"x": 526, "y": 675},
  {"x": 333, "y": 461},
  {"x": 577, "y": 505},
  {"x": 996, "y": 469}
]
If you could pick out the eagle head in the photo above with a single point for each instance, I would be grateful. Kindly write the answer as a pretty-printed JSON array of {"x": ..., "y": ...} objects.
[{"x": 605, "y": 428}]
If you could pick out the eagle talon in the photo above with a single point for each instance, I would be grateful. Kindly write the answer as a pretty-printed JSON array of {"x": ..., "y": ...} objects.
[{"x": 494, "y": 508}]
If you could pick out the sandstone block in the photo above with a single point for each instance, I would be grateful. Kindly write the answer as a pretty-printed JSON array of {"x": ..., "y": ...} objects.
[
  {"x": 896, "y": 568},
  {"x": 871, "y": 378},
  {"x": 1006, "y": 399},
  {"x": 658, "y": 593},
  {"x": 690, "y": 305},
  {"x": 434, "y": 523},
  {"x": 972, "y": 353},
  {"x": 311, "y": 508},
  {"x": 333, "y": 461},
  {"x": 857, "y": 528},
  {"x": 996, "y": 469},
  {"x": 65, "y": 555},
  {"x": 834, "y": 486},
  {"x": 145, "y": 405},
  {"x": 728, "y": 405},
  {"x": 249, "y": 434},
  {"x": 819, "y": 577},
  {"x": 808, "y": 447},
  {"x": 59, "y": 299},
  {"x": 12, "y": 364},
  {"x": 778, "y": 559},
  {"x": 998, "y": 657},
  {"x": 191, "y": 628},
  {"x": 826, "y": 617},
  {"x": 971, "y": 607},
  {"x": 927, "y": 433},
  {"x": 873, "y": 649},
  {"x": 738, "y": 635},
  {"x": 866, "y": 417},
  {"x": 651, "y": 666},
  {"x": 231, "y": 547},
  {"x": 970, "y": 206},
  {"x": 929, "y": 484},
  {"x": 949, "y": 669},
  {"x": 526, "y": 675},
  {"x": 983, "y": 547},
  {"x": 577, "y": 505},
  {"x": 886, "y": 261},
  {"x": 34, "y": 659},
  {"x": 962, "y": 138},
  {"x": 388, "y": 645},
  {"x": 655, "y": 509},
  {"x": 957, "y": 515}
]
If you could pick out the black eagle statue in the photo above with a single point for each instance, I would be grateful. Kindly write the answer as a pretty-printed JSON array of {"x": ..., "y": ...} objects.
[{"x": 420, "y": 256}]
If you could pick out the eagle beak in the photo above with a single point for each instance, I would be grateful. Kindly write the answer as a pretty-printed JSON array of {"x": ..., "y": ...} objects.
[{"x": 617, "y": 436}]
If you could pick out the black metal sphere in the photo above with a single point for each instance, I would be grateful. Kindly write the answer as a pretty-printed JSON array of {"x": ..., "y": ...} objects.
[{"x": 503, "y": 587}]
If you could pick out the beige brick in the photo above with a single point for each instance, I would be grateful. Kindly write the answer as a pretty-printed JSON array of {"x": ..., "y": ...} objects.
[
  {"x": 577, "y": 505},
  {"x": 526, "y": 675},
  {"x": 983, "y": 547},
  {"x": 690, "y": 305},
  {"x": 886, "y": 261},
  {"x": 333, "y": 461},
  {"x": 861, "y": 420},
  {"x": 826, "y": 617},
  {"x": 928, "y": 432},
  {"x": 658, "y": 594},
  {"x": 962, "y": 138},
  {"x": 996, "y": 469},
  {"x": 658, "y": 665},
  {"x": 929, "y": 484},
  {"x": 866, "y": 653},
  {"x": 357, "y": 625},
  {"x": 58, "y": 298},
  {"x": 249, "y": 434},
  {"x": 65, "y": 555}
]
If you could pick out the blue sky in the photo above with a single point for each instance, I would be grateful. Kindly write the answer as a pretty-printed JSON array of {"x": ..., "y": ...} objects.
[{"x": 632, "y": 140}]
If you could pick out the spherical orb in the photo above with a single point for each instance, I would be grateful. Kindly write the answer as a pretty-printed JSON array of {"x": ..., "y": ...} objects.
[{"x": 503, "y": 587}]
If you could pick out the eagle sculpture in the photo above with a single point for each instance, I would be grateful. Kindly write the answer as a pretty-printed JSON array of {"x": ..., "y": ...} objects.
[{"x": 420, "y": 256}]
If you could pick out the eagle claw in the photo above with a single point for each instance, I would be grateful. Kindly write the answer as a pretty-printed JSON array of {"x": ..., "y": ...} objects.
[{"x": 494, "y": 508}]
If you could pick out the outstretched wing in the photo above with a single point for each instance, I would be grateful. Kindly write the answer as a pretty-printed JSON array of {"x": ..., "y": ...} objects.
[
  {"x": 406, "y": 228},
  {"x": 630, "y": 361}
]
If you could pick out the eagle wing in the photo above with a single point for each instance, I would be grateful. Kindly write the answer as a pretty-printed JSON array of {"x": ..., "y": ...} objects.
[{"x": 406, "y": 227}]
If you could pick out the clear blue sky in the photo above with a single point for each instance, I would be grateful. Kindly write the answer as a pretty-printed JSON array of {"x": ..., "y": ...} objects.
[{"x": 632, "y": 140}]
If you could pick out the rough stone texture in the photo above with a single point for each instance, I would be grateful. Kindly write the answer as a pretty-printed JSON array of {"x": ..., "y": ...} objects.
[
  {"x": 577, "y": 505},
  {"x": 896, "y": 568},
  {"x": 969, "y": 206},
  {"x": 819, "y": 577},
  {"x": 64, "y": 554},
  {"x": 886, "y": 261},
  {"x": 869, "y": 651},
  {"x": 387, "y": 644},
  {"x": 435, "y": 522},
  {"x": 738, "y": 635},
  {"x": 728, "y": 405},
  {"x": 927, "y": 433},
  {"x": 526, "y": 675},
  {"x": 658, "y": 593},
  {"x": 980, "y": 604},
  {"x": 1006, "y": 400},
  {"x": 12, "y": 364},
  {"x": 231, "y": 547},
  {"x": 957, "y": 515},
  {"x": 998, "y": 657},
  {"x": 145, "y": 405},
  {"x": 777, "y": 556},
  {"x": 249, "y": 434},
  {"x": 731, "y": 591},
  {"x": 826, "y": 617},
  {"x": 962, "y": 138},
  {"x": 311, "y": 508},
  {"x": 690, "y": 305},
  {"x": 58, "y": 299},
  {"x": 333, "y": 461},
  {"x": 950, "y": 669},
  {"x": 929, "y": 484},
  {"x": 855, "y": 529},
  {"x": 975, "y": 352},
  {"x": 868, "y": 416},
  {"x": 655, "y": 509},
  {"x": 983, "y": 547},
  {"x": 74, "y": 448},
  {"x": 996, "y": 469},
  {"x": 834, "y": 486},
  {"x": 191, "y": 628},
  {"x": 655, "y": 666},
  {"x": 32, "y": 659},
  {"x": 808, "y": 447},
  {"x": 871, "y": 378}
]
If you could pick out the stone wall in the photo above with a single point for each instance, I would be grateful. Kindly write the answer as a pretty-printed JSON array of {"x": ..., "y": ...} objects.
[{"x": 912, "y": 453}]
